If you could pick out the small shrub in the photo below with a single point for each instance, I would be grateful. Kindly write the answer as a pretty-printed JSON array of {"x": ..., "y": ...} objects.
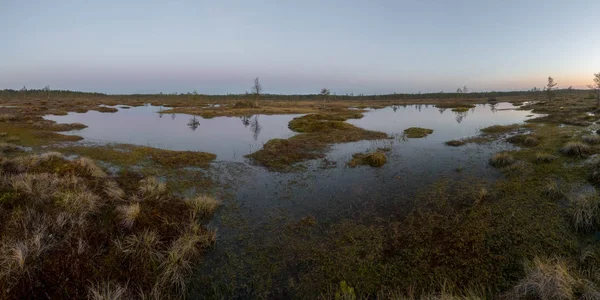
[
  {"x": 576, "y": 149},
  {"x": 591, "y": 139},
  {"x": 417, "y": 132},
  {"x": 524, "y": 140},
  {"x": 502, "y": 159}
]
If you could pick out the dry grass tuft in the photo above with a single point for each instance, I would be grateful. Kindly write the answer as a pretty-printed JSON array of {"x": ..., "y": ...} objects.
[
  {"x": 143, "y": 247},
  {"x": 89, "y": 167},
  {"x": 113, "y": 191},
  {"x": 502, "y": 159},
  {"x": 78, "y": 201},
  {"x": 203, "y": 206},
  {"x": 547, "y": 279},
  {"x": 585, "y": 210},
  {"x": 591, "y": 139},
  {"x": 576, "y": 149},
  {"x": 6, "y": 148},
  {"x": 541, "y": 157},
  {"x": 552, "y": 190},
  {"x": 129, "y": 213},
  {"x": 107, "y": 291},
  {"x": 152, "y": 189}
]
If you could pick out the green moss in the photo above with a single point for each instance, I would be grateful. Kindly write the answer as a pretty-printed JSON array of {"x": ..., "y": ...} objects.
[
  {"x": 524, "y": 140},
  {"x": 417, "y": 132},
  {"x": 130, "y": 155},
  {"x": 318, "y": 132},
  {"x": 376, "y": 159},
  {"x": 500, "y": 128}
]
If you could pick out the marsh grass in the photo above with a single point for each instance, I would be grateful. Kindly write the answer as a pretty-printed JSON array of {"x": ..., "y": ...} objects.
[
  {"x": 524, "y": 140},
  {"x": 61, "y": 227},
  {"x": 542, "y": 157},
  {"x": 318, "y": 132},
  {"x": 547, "y": 279},
  {"x": 107, "y": 291},
  {"x": 417, "y": 132},
  {"x": 502, "y": 159},
  {"x": 455, "y": 143},
  {"x": 375, "y": 159},
  {"x": 585, "y": 210},
  {"x": 552, "y": 190},
  {"x": 576, "y": 149},
  {"x": 203, "y": 206},
  {"x": 495, "y": 129},
  {"x": 591, "y": 139},
  {"x": 152, "y": 189}
]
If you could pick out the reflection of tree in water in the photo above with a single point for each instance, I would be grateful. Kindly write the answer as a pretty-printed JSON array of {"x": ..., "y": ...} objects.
[
  {"x": 172, "y": 116},
  {"x": 255, "y": 127},
  {"x": 493, "y": 107},
  {"x": 460, "y": 116},
  {"x": 395, "y": 107},
  {"x": 193, "y": 124},
  {"x": 246, "y": 120},
  {"x": 441, "y": 110}
]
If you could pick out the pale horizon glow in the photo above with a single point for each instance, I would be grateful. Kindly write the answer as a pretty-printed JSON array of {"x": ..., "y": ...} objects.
[{"x": 297, "y": 47}]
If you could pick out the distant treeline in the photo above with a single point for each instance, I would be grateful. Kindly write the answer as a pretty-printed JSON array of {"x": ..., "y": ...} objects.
[{"x": 43, "y": 93}]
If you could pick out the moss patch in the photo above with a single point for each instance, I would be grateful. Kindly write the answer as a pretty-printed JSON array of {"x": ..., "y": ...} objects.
[
  {"x": 417, "y": 132},
  {"x": 376, "y": 159}
]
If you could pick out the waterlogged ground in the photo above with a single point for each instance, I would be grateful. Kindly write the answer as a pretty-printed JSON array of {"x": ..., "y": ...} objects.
[{"x": 258, "y": 204}]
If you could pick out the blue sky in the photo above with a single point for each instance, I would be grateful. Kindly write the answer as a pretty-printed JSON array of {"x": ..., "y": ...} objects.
[{"x": 369, "y": 47}]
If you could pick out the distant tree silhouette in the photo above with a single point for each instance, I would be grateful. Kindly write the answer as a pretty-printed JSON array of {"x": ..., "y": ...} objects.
[
  {"x": 325, "y": 94},
  {"x": 47, "y": 90},
  {"x": 550, "y": 88},
  {"x": 256, "y": 90},
  {"x": 596, "y": 88}
]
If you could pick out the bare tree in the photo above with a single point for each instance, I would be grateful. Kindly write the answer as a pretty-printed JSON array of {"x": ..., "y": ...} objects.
[
  {"x": 47, "y": 90},
  {"x": 324, "y": 93},
  {"x": 256, "y": 90},
  {"x": 24, "y": 91},
  {"x": 596, "y": 88},
  {"x": 465, "y": 89},
  {"x": 550, "y": 88}
]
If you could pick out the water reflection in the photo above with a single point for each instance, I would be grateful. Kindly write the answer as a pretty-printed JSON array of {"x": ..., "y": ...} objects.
[
  {"x": 193, "y": 124},
  {"x": 255, "y": 127},
  {"x": 460, "y": 116},
  {"x": 230, "y": 140}
]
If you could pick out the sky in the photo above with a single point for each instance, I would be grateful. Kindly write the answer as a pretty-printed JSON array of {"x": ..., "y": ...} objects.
[{"x": 297, "y": 47}]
